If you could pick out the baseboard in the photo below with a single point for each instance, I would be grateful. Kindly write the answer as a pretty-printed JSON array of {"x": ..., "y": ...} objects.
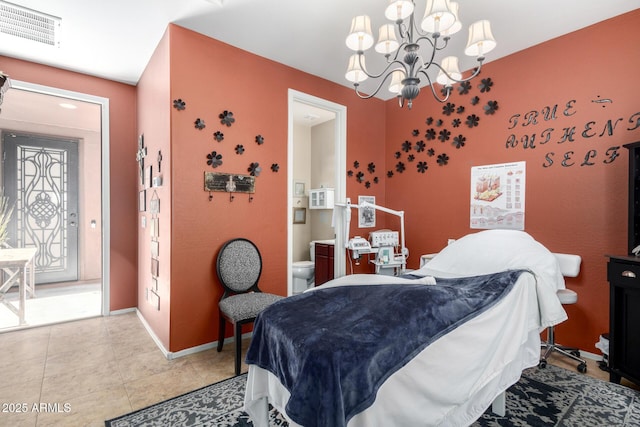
[
  {"x": 122, "y": 311},
  {"x": 170, "y": 355}
]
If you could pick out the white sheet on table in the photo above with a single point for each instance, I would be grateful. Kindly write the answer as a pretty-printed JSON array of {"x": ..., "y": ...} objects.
[{"x": 449, "y": 383}]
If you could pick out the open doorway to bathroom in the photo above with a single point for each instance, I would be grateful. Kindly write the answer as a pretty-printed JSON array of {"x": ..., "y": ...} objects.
[
  {"x": 317, "y": 160},
  {"x": 52, "y": 169}
]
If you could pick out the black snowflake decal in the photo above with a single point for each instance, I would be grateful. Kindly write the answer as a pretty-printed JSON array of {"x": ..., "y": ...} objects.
[
  {"x": 398, "y": 154},
  {"x": 491, "y": 107},
  {"x": 439, "y": 122},
  {"x": 389, "y": 174},
  {"x": 422, "y": 167},
  {"x": 406, "y": 146},
  {"x": 475, "y": 100},
  {"x": 448, "y": 109},
  {"x": 375, "y": 180},
  {"x": 472, "y": 120},
  {"x": 214, "y": 159},
  {"x": 199, "y": 124},
  {"x": 464, "y": 88},
  {"x": 456, "y": 123},
  {"x": 259, "y": 139},
  {"x": 239, "y": 149},
  {"x": 411, "y": 158},
  {"x": 444, "y": 135},
  {"x": 179, "y": 104},
  {"x": 254, "y": 169},
  {"x": 485, "y": 85},
  {"x": 459, "y": 141},
  {"x": 367, "y": 184},
  {"x": 226, "y": 118},
  {"x": 431, "y": 152},
  {"x": 275, "y": 167},
  {"x": 349, "y": 173},
  {"x": 460, "y": 109},
  {"x": 218, "y": 136},
  {"x": 416, "y": 132},
  {"x": 430, "y": 134},
  {"x": 356, "y": 164},
  {"x": 371, "y": 167},
  {"x": 443, "y": 159},
  {"x": 400, "y": 167},
  {"x": 429, "y": 120},
  {"x": 360, "y": 176},
  {"x": 420, "y": 145}
]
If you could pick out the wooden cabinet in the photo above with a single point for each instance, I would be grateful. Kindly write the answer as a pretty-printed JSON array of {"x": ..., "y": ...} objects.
[
  {"x": 623, "y": 273},
  {"x": 324, "y": 263}
]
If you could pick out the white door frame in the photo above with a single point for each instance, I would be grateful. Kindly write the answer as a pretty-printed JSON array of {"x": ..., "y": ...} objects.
[
  {"x": 340, "y": 138},
  {"x": 105, "y": 186}
]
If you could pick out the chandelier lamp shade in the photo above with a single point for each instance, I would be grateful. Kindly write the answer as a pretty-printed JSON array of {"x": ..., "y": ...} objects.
[{"x": 410, "y": 50}]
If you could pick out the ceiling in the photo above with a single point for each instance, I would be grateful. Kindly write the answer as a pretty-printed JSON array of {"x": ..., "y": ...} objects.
[{"x": 115, "y": 39}]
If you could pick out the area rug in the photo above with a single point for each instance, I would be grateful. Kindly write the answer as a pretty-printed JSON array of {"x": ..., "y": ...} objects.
[{"x": 542, "y": 397}]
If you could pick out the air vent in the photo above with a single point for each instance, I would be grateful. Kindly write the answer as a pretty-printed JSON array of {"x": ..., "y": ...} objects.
[{"x": 29, "y": 24}]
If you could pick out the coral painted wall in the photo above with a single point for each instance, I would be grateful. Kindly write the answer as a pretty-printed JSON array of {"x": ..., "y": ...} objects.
[
  {"x": 554, "y": 113},
  {"x": 122, "y": 127},
  {"x": 211, "y": 77}
]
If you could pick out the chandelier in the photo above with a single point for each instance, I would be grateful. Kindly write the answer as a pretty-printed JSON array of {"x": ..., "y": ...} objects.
[{"x": 439, "y": 23}]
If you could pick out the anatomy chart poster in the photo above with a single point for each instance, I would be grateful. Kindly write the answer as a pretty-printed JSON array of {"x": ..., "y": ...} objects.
[{"x": 497, "y": 196}]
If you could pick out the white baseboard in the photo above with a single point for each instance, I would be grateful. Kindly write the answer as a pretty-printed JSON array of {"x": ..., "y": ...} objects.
[{"x": 187, "y": 351}]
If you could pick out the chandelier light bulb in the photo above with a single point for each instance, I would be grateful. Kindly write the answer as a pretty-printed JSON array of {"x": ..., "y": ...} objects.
[
  {"x": 387, "y": 41},
  {"x": 438, "y": 16},
  {"x": 360, "y": 37},
  {"x": 356, "y": 74},
  {"x": 457, "y": 25},
  {"x": 481, "y": 39},
  {"x": 399, "y": 10}
]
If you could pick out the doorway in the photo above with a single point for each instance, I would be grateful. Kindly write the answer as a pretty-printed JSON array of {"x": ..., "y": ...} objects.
[
  {"x": 296, "y": 99},
  {"x": 55, "y": 171}
]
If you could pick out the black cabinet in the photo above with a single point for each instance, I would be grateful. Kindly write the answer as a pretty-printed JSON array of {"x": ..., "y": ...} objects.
[
  {"x": 623, "y": 273},
  {"x": 634, "y": 195}
]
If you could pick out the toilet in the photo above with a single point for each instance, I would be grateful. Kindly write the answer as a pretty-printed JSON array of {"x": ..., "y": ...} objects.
[{"x": 304, "y": 272}]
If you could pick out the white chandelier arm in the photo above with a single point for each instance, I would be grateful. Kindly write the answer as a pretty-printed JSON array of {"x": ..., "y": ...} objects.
[
  {"x": 474, "y": 74},
  {"x": 363, "y": 96}
]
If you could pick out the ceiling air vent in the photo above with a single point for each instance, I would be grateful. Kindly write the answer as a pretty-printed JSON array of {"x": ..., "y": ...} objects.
[{"x": 29, "y": 24}]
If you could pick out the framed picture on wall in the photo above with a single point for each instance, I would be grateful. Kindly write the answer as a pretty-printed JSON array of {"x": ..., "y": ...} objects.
[
  {"x": 142, "y": 201},
  {"x": 299, "y": 215},
  {"x": 298, "y": 189},
  {"x": 366, "y": 215}
]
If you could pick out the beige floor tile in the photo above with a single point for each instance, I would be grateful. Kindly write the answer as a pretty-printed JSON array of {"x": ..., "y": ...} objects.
[
  {"x": 78, "y": 381},
  {"x": 162, "y": 386},
  {"x": 28, "y": 419},
  {"x": 91, "y": 409},
  {"x": 142, "y": 365},
  {"x": 79, "y": 357}
]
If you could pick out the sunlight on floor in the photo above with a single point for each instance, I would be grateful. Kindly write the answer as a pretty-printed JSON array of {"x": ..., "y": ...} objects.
[{"x": 54, "y": 305}]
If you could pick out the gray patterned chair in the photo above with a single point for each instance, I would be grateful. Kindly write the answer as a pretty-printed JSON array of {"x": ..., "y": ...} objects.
[{"x": 239, "y": 266}]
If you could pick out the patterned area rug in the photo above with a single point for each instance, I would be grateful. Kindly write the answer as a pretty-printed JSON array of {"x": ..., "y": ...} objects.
[{"x": 543, "y": 397}]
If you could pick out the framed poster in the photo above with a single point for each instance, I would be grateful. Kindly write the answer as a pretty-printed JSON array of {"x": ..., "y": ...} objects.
[
  {"x": 498, "y": 196},
  {"x": 299, "y": 215},
  {"x": 366, "y": 215}
]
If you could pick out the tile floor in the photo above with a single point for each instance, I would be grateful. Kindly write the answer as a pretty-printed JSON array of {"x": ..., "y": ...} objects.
[{"x": 104, "y": 367}]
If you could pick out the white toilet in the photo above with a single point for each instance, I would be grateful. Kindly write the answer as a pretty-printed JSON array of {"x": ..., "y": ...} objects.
[{"x": 304, "y": 272}]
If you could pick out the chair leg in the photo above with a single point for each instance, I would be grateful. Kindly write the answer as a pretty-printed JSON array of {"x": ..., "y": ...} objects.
[
  {"x": 550, "y": 346},
  {"x": 223, "y": 323},
  {"x": 238, "y": 339}
]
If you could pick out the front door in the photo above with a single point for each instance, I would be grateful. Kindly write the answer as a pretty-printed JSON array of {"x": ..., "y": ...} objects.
[{"x": 40, "y": 176}]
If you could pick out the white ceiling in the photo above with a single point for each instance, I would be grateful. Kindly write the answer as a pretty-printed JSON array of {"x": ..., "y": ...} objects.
[{"x": 115, "y": 39}]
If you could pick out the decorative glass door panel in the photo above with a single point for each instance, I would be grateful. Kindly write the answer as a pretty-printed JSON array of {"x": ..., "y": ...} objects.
[{"x": 41, "y": 178}]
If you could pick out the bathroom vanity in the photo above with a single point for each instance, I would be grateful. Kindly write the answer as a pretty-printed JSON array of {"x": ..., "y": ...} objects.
[{"x": 324, "y": 263}]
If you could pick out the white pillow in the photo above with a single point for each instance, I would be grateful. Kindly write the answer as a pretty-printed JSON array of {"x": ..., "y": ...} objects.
[{"x": 491, "y": 251}]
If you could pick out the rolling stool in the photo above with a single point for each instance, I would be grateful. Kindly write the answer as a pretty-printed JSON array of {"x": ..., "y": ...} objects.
[{"x": 566, "y": 296}]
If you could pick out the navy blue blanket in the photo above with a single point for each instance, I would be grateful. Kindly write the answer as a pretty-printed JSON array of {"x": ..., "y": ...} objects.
[{"x": 333, "y": 348}]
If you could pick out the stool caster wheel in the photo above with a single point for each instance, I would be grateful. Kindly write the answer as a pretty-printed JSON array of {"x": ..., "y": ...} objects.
[
  {"x": 582, "y": 368},
  {"x": 542, "y": 364}
]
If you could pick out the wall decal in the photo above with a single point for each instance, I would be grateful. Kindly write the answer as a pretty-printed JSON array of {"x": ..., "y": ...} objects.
[
  {"x": 179, "y": 104},
  {"x": 475, "y": 100},
  {"x": 356, "y": 164},
  {"x": 159, "y": 161},
  {"x": 400, "y": 167},
  {"x": 254, "y": 169},
  {"x": 360, "y": 177},
  {"x": 416, "y": 132},
  {"x": 422, "y": 167},
  {"x": 218, "y": 136},
  {"x": 443, "y": 159},
  {"x": 349, "y": 173},
  {"x": 406, "y": 146},
  {"x": 485, "y": 85},
  {"x": 411, "y": 158},
  {"x": 371, "y": 167},
  {"x": 491, "y": 107},
  {"x": 275, "y": 167},
  {"x": 214, "y": 159},
  {"x": 226, "y": 118},
  {"x": 199, "y": 124},
  {"x": 259, "y": 139},
  {"x": 239, "y": 149}
]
